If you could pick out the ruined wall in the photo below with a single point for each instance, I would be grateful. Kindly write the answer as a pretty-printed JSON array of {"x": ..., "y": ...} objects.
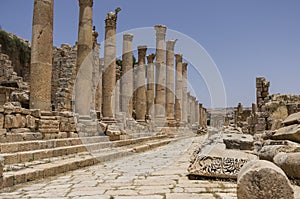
[
  {"x": 18, "y": 50},
  {"x": 64, "y": 62}
]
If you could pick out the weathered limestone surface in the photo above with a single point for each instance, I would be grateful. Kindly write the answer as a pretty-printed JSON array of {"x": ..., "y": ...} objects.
[
  {"x": 260, "y": 179},
  {"x": 289, "y": 163},
  {"x": 212, "y": 159},
  {"x": 238, "y": 141},
  {"x": 291, "y": 133},
  {"x": 170, "y": 89},
  {"x": 109, "y": 71},
  {"x": 160, "y": 98},
  {"x": 150, "y": 86},
  {"x": 178, "y": 89},
  {"x": 141, "y": 101},
  {"x": 184, "y": 93},
  {"x": 1, "y": 171},
  {"x": 292, "y": 119},
  {"x": 84, "y": 63},
  {"x": 127, "y": 76},
  {"x": 41, "y": 55}
]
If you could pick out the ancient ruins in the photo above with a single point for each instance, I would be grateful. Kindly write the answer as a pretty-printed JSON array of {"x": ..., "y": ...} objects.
[{"x": 72, "y": 108}]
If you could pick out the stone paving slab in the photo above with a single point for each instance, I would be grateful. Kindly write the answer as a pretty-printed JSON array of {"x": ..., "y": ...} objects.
[{"x": 156, "y": 174}]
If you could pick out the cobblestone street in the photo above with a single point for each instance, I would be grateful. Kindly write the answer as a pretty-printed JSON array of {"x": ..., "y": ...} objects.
[
  {"x": 160, "y": 173},
  {"x": 156, "y": 174}
]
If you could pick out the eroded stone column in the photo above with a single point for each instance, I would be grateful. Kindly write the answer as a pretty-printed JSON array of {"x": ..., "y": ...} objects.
[
  {"x": 150, "y": 86},
  {"x": 160, "y": 98},
  {"x": 178, "y": 89},
  {"x": 41, "y": 55},
  {"x": 170, "y": 90},
  {"x": 84, "y": 62},
  {"x": 109, "y": 72},
  {"x": 184, "y": 94},
  {"x": 141, "y": 101},
  {"x": 127, "y": 75}
]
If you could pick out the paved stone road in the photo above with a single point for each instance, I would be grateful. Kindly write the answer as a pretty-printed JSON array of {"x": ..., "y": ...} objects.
[{"x": 156, "y": 174}]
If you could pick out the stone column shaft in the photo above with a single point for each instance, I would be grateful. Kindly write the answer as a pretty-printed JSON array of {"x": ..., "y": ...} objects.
[
  {"x": 127, "y": 76},
  {"x": 150, "y": 85},
  {"x": 109, "y": 72},
  {"x": 178, "y": 88},
  {"x": 170, "y": 90},
  {"x": 41, "y": 55},
  {"x": 141, "y": 101},
  {"x": 84, "y": 62},
  {"x": 160, "y": 98},
  {"x": 184, "y": 94}
]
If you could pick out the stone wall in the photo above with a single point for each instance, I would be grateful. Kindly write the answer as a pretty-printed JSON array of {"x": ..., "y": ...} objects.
[{"x": 50, "y": 124}]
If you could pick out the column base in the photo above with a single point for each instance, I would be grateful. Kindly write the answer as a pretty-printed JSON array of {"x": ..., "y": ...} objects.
[
  {"x": 108, "y": 120},
  {"x": 171, "y": 123}
]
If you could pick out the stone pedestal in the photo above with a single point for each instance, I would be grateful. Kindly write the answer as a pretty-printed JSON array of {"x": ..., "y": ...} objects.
[
  {"x": 127, "y": 76},
  {"x": 150, "y": 86},
  {"x": 41, "y": 55},
  {"x": 109, "y": 71},
  {"x": 141, "y": 104},
  {"x": 170, "y": 89},
  {"x": 160, "y": 98},
  {"x": 184, "y": 94}
]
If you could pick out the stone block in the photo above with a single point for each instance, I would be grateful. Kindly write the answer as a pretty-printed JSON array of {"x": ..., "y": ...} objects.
[
  {"x": 31, "y": 122},
  {"x": 1, "y": 121},
  {"x": 35, "y": 113},
  {"x": 11, "y": 121},
  {"x": 292, "y": 119},
  {"x": 260, "y": 179},
  {"x": 289, "y": 163},
  {"x": 238, "y": 141},
  {"x": 212, "y": 159},
  {"x": 291, "y": 133}
]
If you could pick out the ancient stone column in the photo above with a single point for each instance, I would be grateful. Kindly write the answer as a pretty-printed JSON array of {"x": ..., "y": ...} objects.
[
  {"x": 196, "y": 112},
  {"x": 160, "y": 98},
  {"x": 192, "y": 109},
  {"x": 41, "y": 55},
  {"x": 184, "y": 93},
  {"x": 141, "y": 101},
  {"x": 127, "y": 76},
  {"x": 109, "y": 71},
  {"x": 170, "y": 90},
  {"x": 150, "y": 85},
  {"x": 199, "y": 116},
  {"x": 84, "y": 62},
  {"x": 188, "y": 107},
  {"x": 178, "y": 88}
]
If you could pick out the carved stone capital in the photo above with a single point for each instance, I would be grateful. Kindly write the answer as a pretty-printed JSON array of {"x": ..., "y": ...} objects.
[
  {"x": 128, "y": 37},
  {"x": 111, "y": 18},
  {"x": 178, "y": 58},
  {"x": 150, "y": 58},
  {"x": 170, "y": 44},
  {"x": 184, "y": 66},
  {"x": 85, "y": 3},
  {"x": 141, "y": 52},
  {"x": 160, "y": 31}
]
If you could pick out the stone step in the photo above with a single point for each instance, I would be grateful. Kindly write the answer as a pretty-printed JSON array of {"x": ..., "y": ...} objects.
[
  {"x": 31, "y": 155},
  {"x": 19, "y": 137},
  {"x": 13, "y": 147},
  {"x": 54, "y": 166}
]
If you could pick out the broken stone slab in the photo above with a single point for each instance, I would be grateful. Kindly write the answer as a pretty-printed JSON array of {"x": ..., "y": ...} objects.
[
  {"x": 238, "y": 141},
  {"x": 289, "y": 163},
  {"x": 292, "y": 119},
  {"x": 291, "y": 133},
  {"x": 218, "y": 162},
  {"x": 260, "y": 179}
]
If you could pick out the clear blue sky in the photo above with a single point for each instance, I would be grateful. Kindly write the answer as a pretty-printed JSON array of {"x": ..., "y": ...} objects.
[{"x": 245, "y": 38}]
